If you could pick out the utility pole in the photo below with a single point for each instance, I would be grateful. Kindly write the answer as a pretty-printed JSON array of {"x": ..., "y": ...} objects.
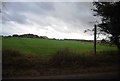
[{"x": 95, "y": 32}]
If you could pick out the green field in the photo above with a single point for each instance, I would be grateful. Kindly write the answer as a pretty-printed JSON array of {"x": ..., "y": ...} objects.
[
  {"x": 46, "y": 46},
  {"x": 40, "y": 57}
]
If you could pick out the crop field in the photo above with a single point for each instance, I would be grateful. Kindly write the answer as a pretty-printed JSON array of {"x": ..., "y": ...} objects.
[
  {"x": 37, "y": 57},
  {"x": 46, "y": 46}
]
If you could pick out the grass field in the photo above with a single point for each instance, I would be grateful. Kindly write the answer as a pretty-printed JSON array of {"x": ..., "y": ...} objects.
[
  {"x": 38, "y": 57},
  {"x": 46, "y": 47}
]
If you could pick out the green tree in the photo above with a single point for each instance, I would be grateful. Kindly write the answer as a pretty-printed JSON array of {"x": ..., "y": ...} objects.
[{"x": 109, "y": 12}]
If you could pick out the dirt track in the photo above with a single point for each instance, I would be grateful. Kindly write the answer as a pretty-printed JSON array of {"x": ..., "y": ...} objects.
[{"x": 80, "y": 76}]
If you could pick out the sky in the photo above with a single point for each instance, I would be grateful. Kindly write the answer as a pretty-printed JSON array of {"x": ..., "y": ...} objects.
[{"x": 60, "y": 20}]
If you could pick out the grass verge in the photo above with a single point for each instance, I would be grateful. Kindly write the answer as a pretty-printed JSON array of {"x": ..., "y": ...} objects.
[{"x": 63, "y": 61}]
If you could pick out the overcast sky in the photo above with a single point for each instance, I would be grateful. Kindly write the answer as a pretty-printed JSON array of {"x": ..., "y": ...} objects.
[{"x": 53, "y": 19}]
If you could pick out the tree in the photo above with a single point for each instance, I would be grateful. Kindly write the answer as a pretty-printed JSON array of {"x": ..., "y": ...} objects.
[
  {"x": 15, "y": 35},
  {"x": 109, "y": 12}
]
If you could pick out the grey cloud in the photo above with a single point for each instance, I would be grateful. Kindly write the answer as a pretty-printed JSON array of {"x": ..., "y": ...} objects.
[
  {"x": 16, "y": 8},
  {"x": 12, "y": 12},
  {"x": 73, "y": 13},
  {"x": 75, "y": 16}
]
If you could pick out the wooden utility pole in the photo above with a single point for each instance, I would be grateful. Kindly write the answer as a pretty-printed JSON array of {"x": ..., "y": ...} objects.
[{"x": 95, "y": 32}]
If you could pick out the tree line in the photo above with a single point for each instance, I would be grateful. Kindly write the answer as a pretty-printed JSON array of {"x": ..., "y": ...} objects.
[{"x": 27, "y": 36}]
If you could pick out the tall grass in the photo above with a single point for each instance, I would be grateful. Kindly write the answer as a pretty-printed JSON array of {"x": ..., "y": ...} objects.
[
  {"x": 16, "y": 59},
  {"x": 66, "y": 58},
  {"x": 16, "y": 63},
  {"x": 62, "y": 58}
]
